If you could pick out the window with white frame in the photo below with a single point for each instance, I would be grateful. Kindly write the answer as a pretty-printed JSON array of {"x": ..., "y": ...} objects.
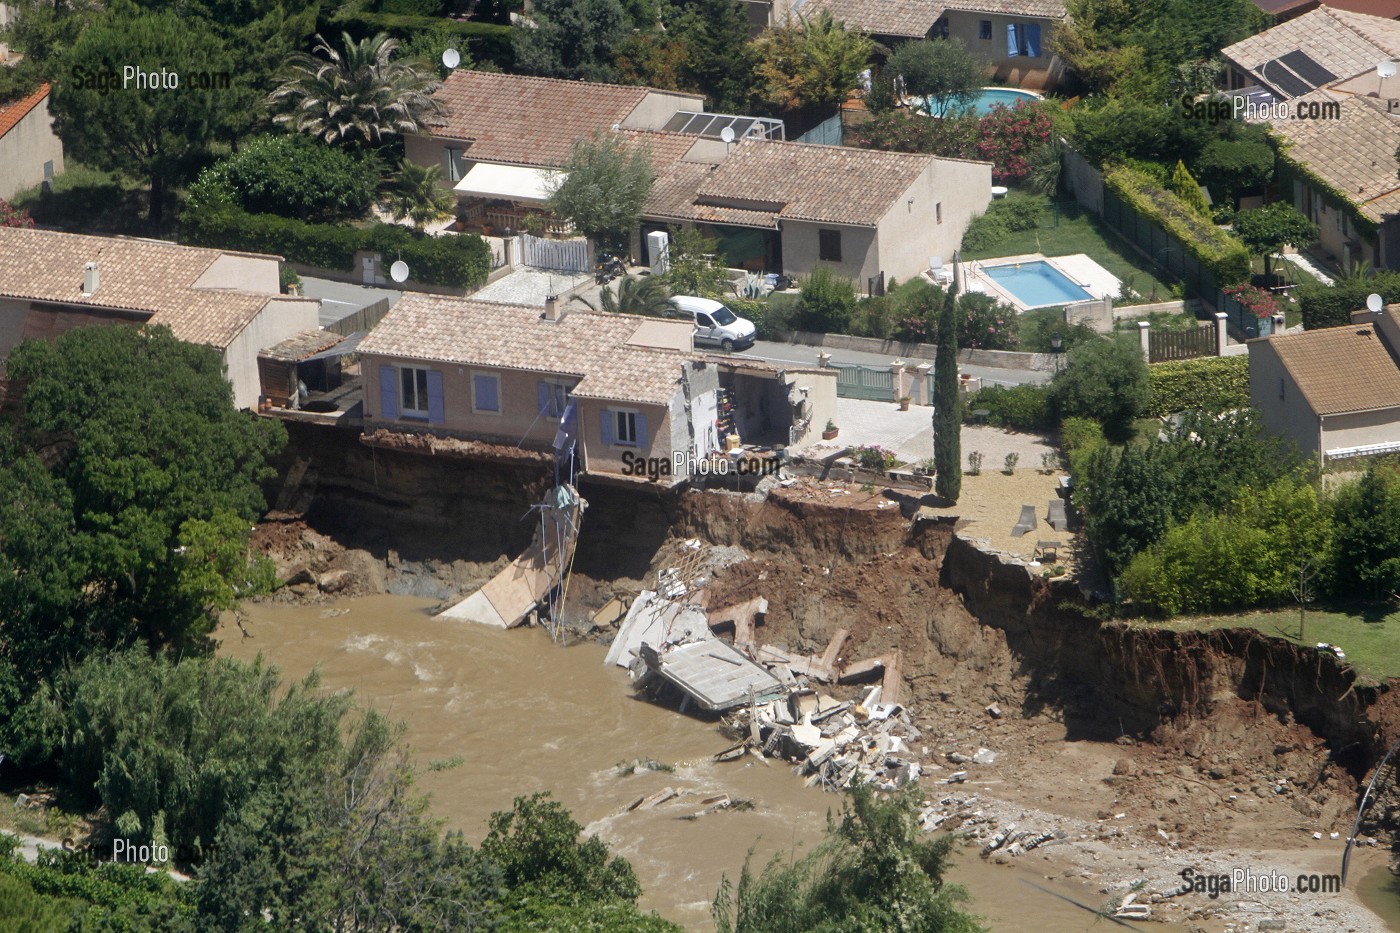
[
  {"x": 413, "y": 391},
  {"x": 486, "y": 393},
  {"x": 625, "y": 428}
]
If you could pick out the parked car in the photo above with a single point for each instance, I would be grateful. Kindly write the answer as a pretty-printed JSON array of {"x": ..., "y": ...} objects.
[{"x": 716, "y": 325}]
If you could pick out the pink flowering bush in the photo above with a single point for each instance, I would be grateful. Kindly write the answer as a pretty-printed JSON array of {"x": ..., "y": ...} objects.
[
  {"x": 1258, "y": 301},
  {"x": 13, "y": 216},
  {"x": 986, "y": 323},
  {"x": 875, "y": 457},
  {"x": 1008, "y": 136}
]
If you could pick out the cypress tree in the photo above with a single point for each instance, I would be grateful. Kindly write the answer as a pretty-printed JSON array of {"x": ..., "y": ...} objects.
[{"x": 947, "y": 415}]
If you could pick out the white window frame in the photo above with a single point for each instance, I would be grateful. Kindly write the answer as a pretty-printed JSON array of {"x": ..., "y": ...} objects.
[
  {"x": 627, "y": 416},
  {"x": 500, "y": 404},
  {"x": 413, "y": 411}
]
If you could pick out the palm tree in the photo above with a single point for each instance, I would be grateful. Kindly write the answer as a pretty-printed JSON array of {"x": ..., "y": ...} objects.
[
  {"x": 356, "y": 95},
  {"x": 646, "y": 295},
  {"x": 416, "y": 193}
]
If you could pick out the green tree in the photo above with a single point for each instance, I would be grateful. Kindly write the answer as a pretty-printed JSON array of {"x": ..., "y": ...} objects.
[
  {"x": 693, "y": 268},
  {"x": 827, "y": 301},
  {"x": 1105, "y": 380},
  {"x": 358, "y": 94},
  {"x": 536, "y": 846},
  {"x": 1125, "y": 497},
  {"x": 942, "y": 72},
  {"x": 155, "y": 135},
  {"x": 22, "y": 910},
  {"x": 646, "y": 295},
  {"x": 947, "y": 402},
  {"x": 136, "y": 438},
  {"x": 604, "y": 190},
  {"x": 720, "y": 59},
  {"x": 1188, "y": 190},
  {"x": 1268, "y": 229},
  {"x": 1366, "y": 560},
  {"x": 876, "y": 871},
  {"x": 571, "y": 39},
  {"x": 813, "y": 62},
  {"x": 292, "y": 176},
  {"x": 1230, "y": 167},
  {"x": 416, "y": 194}
]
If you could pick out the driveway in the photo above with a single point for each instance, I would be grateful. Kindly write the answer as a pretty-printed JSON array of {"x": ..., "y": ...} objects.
[{"x": 807, "y": 356}]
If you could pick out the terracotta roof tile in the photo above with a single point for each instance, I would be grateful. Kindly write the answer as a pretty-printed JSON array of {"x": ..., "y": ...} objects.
[
  {"x": 915, "y": 18},
  {"x": 1038, "y": 9},
  {"x": 299, "y": 346},
  {"x": 133, "y": 275},
  {"x": 12, "y": 113},
  {"x": 587, "y": 345},
  {"x": 521, "y": 120},
  {"x": 1345, "y": 43},
  {"x": 1355, "y": 154},
  {"x": 1341, "y": 369}
]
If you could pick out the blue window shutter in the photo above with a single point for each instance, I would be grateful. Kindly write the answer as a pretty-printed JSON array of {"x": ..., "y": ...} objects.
[
  {"x": 542, "y": 393},
  {"x": 388, "y": 393},
  {"x": 607, "y": 427},
  {"x": 1033, "y": 39},
  {"x": 436, "y": 410},
  {"x": 1012, "y": 46},
  {"x": 487, "y": 396},
  {"x": 643, "y": 439}
]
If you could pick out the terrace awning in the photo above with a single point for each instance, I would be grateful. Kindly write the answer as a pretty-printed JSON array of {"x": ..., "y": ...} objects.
[{"x": 512, "y": 182}]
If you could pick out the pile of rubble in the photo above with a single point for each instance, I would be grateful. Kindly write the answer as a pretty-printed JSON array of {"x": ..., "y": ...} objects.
[{"x": 834, "y": 742}]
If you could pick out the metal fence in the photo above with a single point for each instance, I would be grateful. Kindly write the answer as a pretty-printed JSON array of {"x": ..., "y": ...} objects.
[
  {"x": 557, "y": 255},
  {"x": 867, "y": 382}
]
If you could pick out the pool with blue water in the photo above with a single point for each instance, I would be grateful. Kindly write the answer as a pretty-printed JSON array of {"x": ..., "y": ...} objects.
[{"x": 1036, "y": 284}]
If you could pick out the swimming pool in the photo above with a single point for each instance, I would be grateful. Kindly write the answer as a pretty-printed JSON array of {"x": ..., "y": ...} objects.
[
  {"x": 1036, "y": 284},
  {"x": 989, "y": 97}
]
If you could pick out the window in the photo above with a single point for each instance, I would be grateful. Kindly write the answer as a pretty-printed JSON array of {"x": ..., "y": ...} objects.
[
  {"x": 413, "y": 392},
  {"x": 486, "y": 393},
  {"x": 553, "y": 398},
  {"x": 1023, "y": 39},
  {"x": 938, "y": 212},
  {"x": 456, "y": 164},
  {"x": 703, "y": 320},
  {"x": 984, "y": 29},
  {"x": 940, "y": 29},
  {"x": 626, "y": 428},
  {"x": 829, "y": 245}
]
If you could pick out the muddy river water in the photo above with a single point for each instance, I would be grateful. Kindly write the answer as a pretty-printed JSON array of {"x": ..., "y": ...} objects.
[{"x": 525, "y": 715}]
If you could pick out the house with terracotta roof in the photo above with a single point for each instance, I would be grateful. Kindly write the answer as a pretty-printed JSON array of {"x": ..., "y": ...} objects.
[
  {"x": 1327, "y": 47},
  {"x": 1011, "y": 36},
  {"x": 1334, "y": 392},
  {"x": 1284, "y": 10},
  {"x": 630, "y": 389},
  {"x": 786, "y": 206},
  {"x": 30, "y": 151},
  {"x": 51, "y": 282}
]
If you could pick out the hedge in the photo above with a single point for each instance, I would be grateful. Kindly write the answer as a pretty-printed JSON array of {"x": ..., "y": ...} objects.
[
  {"x": 1213, "y": 383},
  {"x": 1222, "y": 254},
  {"x": 1331, "y": 305},
  {"x": 487, "y": 42},
  {"x": 459, "y": 261}
]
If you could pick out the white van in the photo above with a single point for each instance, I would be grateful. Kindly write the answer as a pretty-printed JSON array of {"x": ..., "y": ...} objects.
[{"x": 716, "y": 325}]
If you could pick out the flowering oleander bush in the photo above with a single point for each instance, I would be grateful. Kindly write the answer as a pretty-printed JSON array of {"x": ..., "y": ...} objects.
[
  {"x": 14, "y": 216},
  {"x": 986, "y": 324},
  {"x": 1008, "y": 136},
  {"x": 875, "y": 457},
  {"x": 1258, "y": 301}
]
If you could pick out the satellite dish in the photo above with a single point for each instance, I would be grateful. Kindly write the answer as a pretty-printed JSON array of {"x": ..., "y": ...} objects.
[
  {"x": 1375, "y": 303},
  {"x": 1386, "y": 69},
  {"x": 451, "y": 58},
  {"x": 399, "y": 271},
  {"x": 727, "y": 134}
]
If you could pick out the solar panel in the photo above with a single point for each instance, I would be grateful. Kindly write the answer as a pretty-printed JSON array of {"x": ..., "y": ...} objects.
[
  {"x": 1304, "y": 67},
  {"x": 1280, "y": 77},
  {"x": 674, "y": 124}
]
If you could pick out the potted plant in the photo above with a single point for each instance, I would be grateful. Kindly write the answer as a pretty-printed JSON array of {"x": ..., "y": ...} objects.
[
  {"x": 831, "y": 430},
  {"x": 904, "y": 403}
]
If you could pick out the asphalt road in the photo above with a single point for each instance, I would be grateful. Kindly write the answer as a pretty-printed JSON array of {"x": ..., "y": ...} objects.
[{"x": 807, "y": 356}]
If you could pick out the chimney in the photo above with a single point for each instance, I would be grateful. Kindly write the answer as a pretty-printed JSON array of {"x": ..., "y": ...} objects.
[
  {"x": 551, "y": 308},
  {"x": 90, "y": 280}
]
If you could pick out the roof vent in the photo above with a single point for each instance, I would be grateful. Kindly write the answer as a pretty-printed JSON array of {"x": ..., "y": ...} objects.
[
  {"x": 551, "y": 308},
  {"x": 90, "y": 279}
]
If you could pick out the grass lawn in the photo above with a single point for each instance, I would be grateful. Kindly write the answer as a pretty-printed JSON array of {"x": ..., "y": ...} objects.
[
  {"x": 1071, "y": 230},
  {"x": 1371, "y": 640},
  {"x": 88, "y": 200}
]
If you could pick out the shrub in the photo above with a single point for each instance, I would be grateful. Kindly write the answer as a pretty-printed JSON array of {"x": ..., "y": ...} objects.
[
  {"x": 1105, "y": 380},
  {"x": 1230, "y": 167},
  {"x": 901, "y": 131},
  {"x": 875, "y": 457},
  {"x": 1223, "y": 255},
  {"x": 1214, "y": 383},
  {"x": 779, "y": 315},
  {"x": 487, "y": 42},
  {"x": 827, "y": 303},
  {"x": 460, "y": 261},
  {"x": 987, "y": 324},
  {"x": 1021, "y": 408},
  {"x": 974, "y": 462},
  {"x": 1018, "y": 211},
  {"x": 1012, "y": 459},
  {"x": 1367, "y": 517},
  {"x": 291, "y": 176},
  {"x": 984, "y": 232},
  {"x": 1331, "y": 305},
  {"x": 1081, "y": 438},
  {"x": 1008, "y": 136},
  {"x": 1036, "y": 331}
]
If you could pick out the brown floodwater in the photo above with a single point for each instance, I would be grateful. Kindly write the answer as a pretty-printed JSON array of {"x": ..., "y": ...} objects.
[{"x": 526, "y": 715}]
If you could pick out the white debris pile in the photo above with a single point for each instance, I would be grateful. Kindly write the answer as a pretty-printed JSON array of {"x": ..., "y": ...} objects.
[
  {"x": 998, "y": 841},
  {"x": 834, "y": 742}
]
